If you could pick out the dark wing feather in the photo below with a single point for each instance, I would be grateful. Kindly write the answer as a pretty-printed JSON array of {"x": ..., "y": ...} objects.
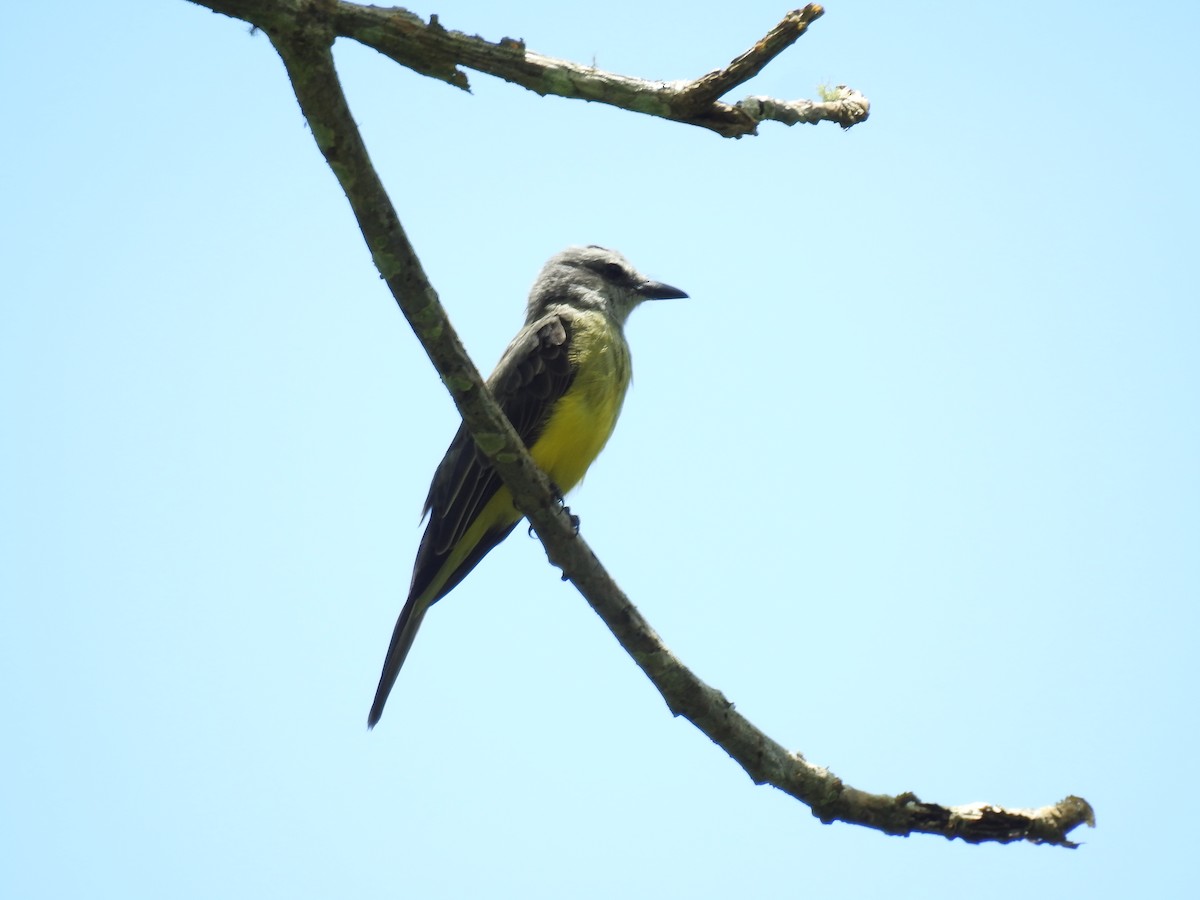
[{"x": 534, "y": 373}]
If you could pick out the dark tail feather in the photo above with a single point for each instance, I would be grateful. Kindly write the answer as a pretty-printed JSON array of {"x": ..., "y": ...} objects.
[{"x": 402, "y": 639}]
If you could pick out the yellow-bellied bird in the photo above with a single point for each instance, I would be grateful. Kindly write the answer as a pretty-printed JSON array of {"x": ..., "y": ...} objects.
[{"x": 561, "y": 382}]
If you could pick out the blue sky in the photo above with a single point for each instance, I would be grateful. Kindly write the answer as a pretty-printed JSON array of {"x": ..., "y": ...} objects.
[{"x": 912, "y": 477}]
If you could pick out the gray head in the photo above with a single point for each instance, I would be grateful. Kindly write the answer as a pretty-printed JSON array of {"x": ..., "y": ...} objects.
[{"x": 593, "y": 278}]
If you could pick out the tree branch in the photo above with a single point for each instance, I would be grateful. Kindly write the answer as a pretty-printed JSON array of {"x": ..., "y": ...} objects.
[
  {"x": 707, "y": 88},
  {"x": 431, "y": 49},
  {"x": 843, "y": 105},
  {"x": 304, "y": 41}
]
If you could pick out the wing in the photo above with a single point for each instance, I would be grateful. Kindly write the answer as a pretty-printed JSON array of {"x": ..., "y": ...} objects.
[{"x": 533, "y": 374}]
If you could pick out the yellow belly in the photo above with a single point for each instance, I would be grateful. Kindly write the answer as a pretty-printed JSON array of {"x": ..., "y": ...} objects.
[
  {"x": 583, "y": 420},
  {"x": 573, "y": 439}
]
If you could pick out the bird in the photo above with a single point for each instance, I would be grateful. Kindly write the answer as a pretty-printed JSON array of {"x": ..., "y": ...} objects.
[{"x": 561, "y": 382}]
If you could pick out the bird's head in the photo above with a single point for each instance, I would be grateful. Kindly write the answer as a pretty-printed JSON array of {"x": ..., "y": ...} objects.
[{"x": 594, "y": 278}]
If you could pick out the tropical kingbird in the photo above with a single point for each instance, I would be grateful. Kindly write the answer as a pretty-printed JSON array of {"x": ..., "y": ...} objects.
[{"x": 561, "y": 382}]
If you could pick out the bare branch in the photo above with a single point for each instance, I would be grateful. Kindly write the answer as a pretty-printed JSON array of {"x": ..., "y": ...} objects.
[
  {"x": 843, "y": 105},
  {"x": 708, "y": 88},
  {"x": 433, "y": 50},
  {"x": 305, "y": 43}
]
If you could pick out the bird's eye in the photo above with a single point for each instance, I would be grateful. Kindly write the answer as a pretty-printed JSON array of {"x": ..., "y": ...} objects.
[{"x": 612, "y": 271}]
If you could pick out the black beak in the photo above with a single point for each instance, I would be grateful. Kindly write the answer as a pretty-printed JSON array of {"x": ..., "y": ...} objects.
[{"x": 656, "y": 290}]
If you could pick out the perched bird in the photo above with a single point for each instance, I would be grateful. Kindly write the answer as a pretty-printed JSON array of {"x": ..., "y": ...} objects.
[{"x": 561, "y": 382}]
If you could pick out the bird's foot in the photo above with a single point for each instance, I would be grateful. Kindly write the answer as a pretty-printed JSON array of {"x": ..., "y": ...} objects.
[
  {"x": 574, "y": 520},
  {"x": 571, "y": 517}
]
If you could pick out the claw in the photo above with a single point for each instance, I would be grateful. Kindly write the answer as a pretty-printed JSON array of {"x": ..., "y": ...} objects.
[{"x": 571, "y": 517}]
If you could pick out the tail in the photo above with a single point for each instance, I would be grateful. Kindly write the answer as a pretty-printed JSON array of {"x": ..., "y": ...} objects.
[
  {"x": 402, "y": 639},
  {"x": 435, "y": 574}
]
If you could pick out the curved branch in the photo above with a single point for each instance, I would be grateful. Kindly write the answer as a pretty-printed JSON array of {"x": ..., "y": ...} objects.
[
  {"x": 431, "y": 49},
  {"x": 305, "y": 44}
]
